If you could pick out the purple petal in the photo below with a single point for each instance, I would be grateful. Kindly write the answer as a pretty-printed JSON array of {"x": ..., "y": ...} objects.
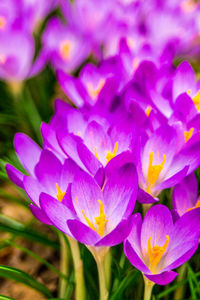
[
  {"x": 173, "y": 180},
  {"x": 15, "y": 175},
  {"x": 185, "y": 194},
  {"x": 163, "y": 278},
  {"x": 33, "y": 189},
  {"x": 57, "y": 212},
  {"x": 82, "y": 233},
  {"x": 118, "y": 235},
  {"x": 48, "y": 171},
  {"x": 180, "y": 255},
  {"x": 157, "y": 224},
  {"x": 120, "y": 194},
  {"x": 27, "y": 151},
  {"x": 145, "y": 198},
  {"x": 91, "y": 163},
  {"x": 40, "y": 215},
  {"x": 134, "y": 258},
  {"x": 85, "y": 196}
]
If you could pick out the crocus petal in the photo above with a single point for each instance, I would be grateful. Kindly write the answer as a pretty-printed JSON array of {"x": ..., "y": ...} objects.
[
  {"x": 185, "y": 233},
  {"x": 163, "y": 278},
  {"x": 157, "y": 224},
  {"x": 88, "y": 159},
  {"x": 39, "y": 214},
  {"x": 173, "y": 180},
  {"x": 118, "y": 234},
  {"x": 33, "y": 189},
  {"x": 27, "y": 151},
  {"x": 134, "y": 236},
  {"x": 134, "y": 259},
  {"x": 82, "y": 233},
  {"x": 48, "y": 171},
  {"x": 120, "y": 194},
  {"x": 185, "y": 194},
  {"x": 85, "y": 196},
  {"x": 189, "y": 250},
  {"x": 184, "y": 79},
  {"x": 15, "y": 175},
  {"x": 57, "y": 212},
  {"x": 145, "y": 198}
]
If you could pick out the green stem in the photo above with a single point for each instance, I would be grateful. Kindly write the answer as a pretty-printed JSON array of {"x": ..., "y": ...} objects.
[
  {"x": 179, "y": 292},
  {"x": 148, "y": 286},
  {"x": 78, "y": 270},
  {"x": 145, "y": 208},
  {"x": 99, "y": 256},
  {"x": 102, "y": 280},
  {"x": 64, "y": 265},
  {"x": 107, "y": 266}
]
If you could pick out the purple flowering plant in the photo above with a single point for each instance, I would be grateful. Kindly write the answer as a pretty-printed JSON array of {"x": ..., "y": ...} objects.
[{"x": 101, "y": 101}]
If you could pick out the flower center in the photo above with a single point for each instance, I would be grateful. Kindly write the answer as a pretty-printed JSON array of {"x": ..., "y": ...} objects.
[
  {"x": 60, "y": 195},
  {"x": 110, "y": 154},
  {"x": 2, "y": 59},
  {"x": 2, "y": 22},
  {"x": 100, "y": 220},
  {"x": 66, "y": 49},
  {"x": 95, "y": 91},
  {"x": 188, "y": 134},
  {"x": 196, "y": 206},
  {"x": 155, "y": 254},
  {"x": 154, "y": 172}
]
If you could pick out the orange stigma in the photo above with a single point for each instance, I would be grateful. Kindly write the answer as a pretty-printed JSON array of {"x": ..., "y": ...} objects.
[{"x": 94, "y": 92}]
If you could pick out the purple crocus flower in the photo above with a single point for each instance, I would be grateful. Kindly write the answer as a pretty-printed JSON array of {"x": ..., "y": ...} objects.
[
  {"x": 100, "y": 217},
  {"x": 156, "y": 245},
  {"x": 164, "y": 161},
  {"x": 63, "y": 47},
  {"x": 185, "y": 195},
  {"x": 90, "y": 140},
  {"x": 15, "y": 63}
]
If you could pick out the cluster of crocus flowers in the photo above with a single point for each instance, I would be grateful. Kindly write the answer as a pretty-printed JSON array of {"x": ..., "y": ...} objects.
[{"x": 132, "y": 131}]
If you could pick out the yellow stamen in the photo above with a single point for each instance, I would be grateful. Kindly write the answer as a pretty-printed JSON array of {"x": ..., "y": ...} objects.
[
  {"x": 2, "y": 22},
  {"x": 94, "y": 92},
  {"x": 148, "y": 110},
  {"x": 154, "y": 172},
  {"x": 88, "y": 221},
  {"x": 196, "y": 100},
  {"x": 110, "y": 154},
  {"x": 60, "y": 195},
  {"x": 100, "y": 220},
  {"x": 196, "y": 206},
  {"x": 188, "y": 134},
  {"x": 66, "y": 49},
  {"x": 95, "y": 153},
  {"x": 155, "y": 254}
]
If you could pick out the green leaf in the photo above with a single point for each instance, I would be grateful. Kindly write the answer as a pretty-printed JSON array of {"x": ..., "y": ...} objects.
[
  {"x": 10, "y": 225},
  {"x": 129, "y": 281},
  {"x": 21, "y": 276},
  {"x": 2, "y": 297}
]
